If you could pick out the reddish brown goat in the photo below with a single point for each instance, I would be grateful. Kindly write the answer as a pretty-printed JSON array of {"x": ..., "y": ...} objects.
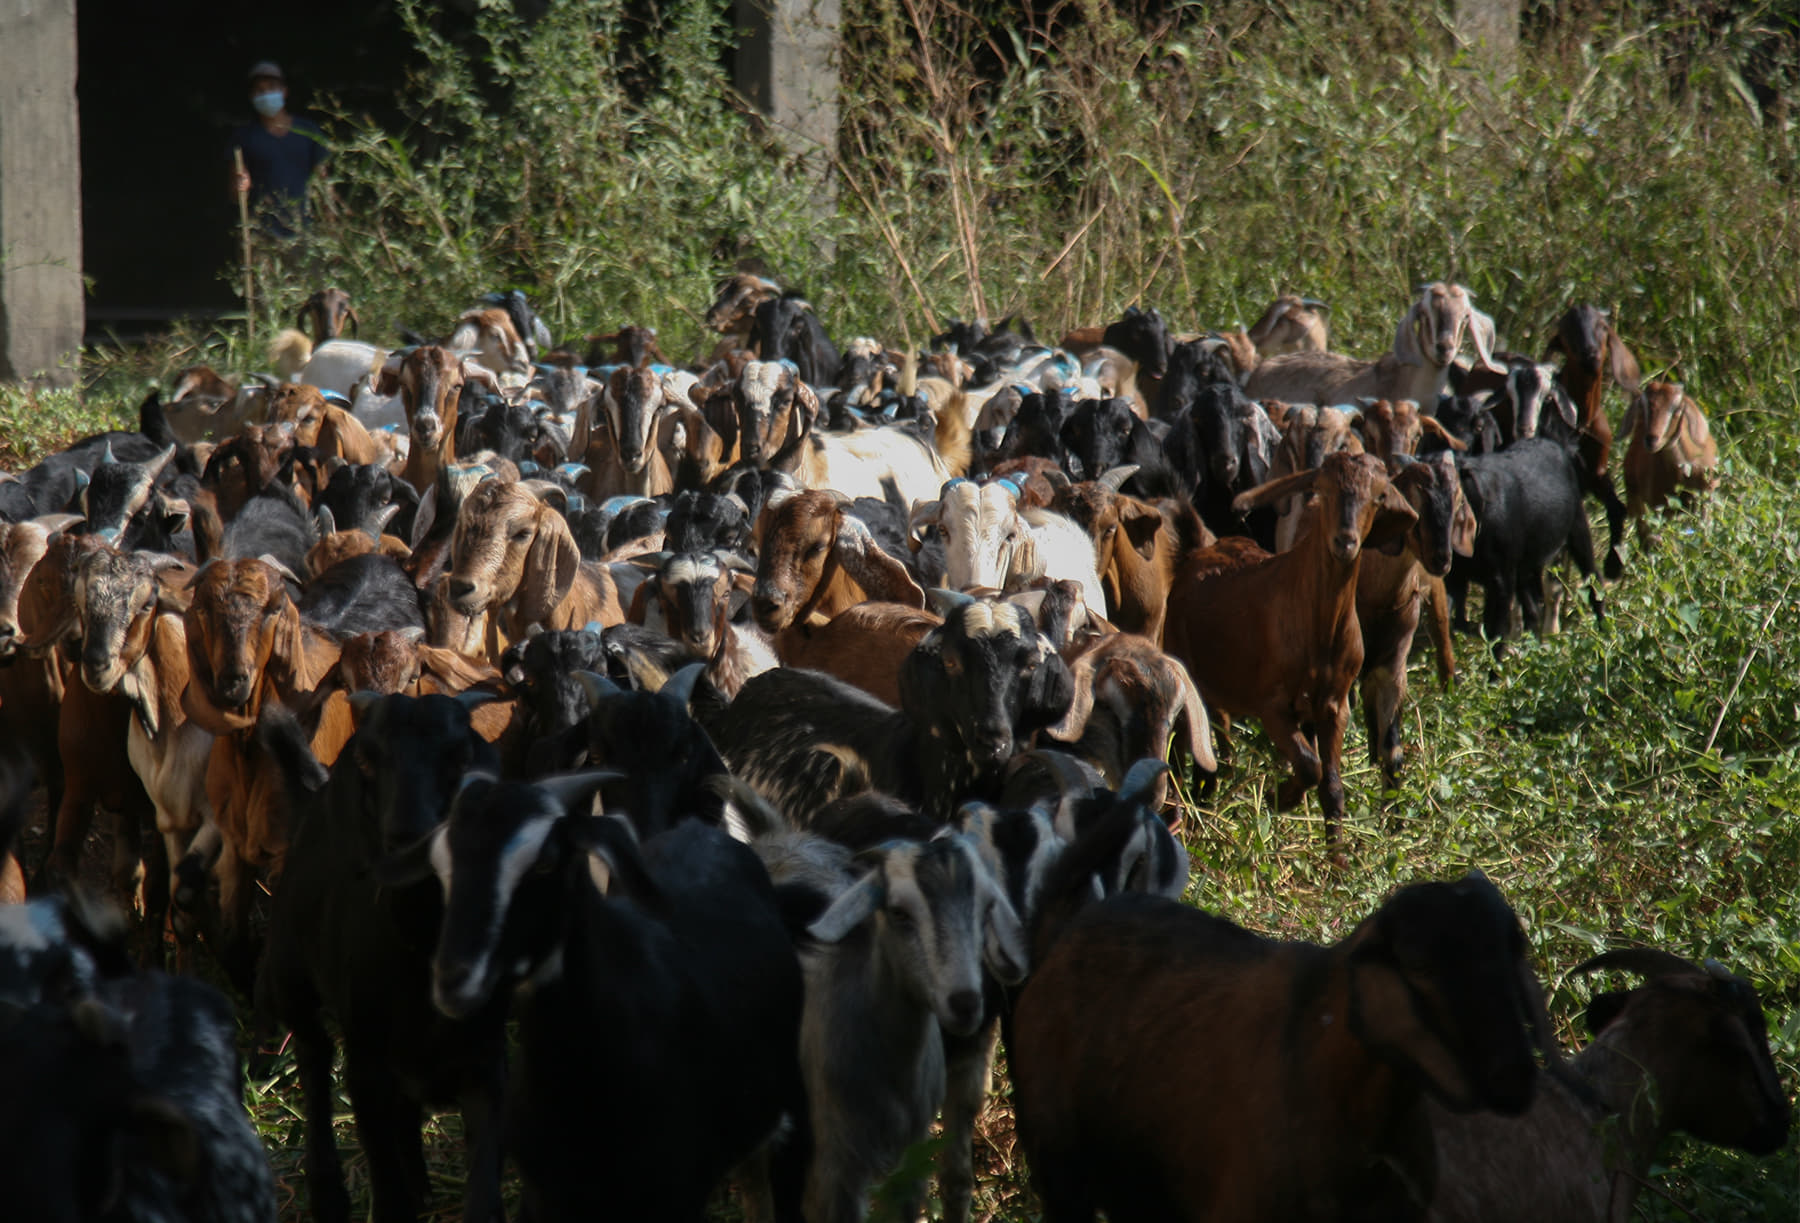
[
  {"x": 1136, "y": 545},
  {"x": 815, "y": 561},
  {"x": 429, "y": 380},
  {"x": 1591, "y": 349},
  {"x": 1277, "y": 636},
  {"x": 321, "y": 425},
  {"x": 864, "y": 645},
  {"x": 247, "y": 646}
]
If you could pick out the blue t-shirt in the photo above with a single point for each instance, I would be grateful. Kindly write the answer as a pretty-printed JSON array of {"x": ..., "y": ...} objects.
[{"x": 279, "y": 167}]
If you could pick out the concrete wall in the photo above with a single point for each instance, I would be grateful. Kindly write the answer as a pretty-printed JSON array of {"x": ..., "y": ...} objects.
[
  {"x": 787, "y": 66},
  {"x": 41, "y": 312}
]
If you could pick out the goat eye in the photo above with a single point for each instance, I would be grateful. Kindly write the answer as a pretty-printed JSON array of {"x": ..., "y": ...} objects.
[
  {"x": 521, "y": 536},
  {"x": 901, "y": 919},
  {"x": 952, "y": 665}
]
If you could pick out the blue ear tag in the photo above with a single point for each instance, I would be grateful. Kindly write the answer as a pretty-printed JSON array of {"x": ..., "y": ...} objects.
[
  {"x": 528, "y": 468},
  {"x": 659, "y": 369}
]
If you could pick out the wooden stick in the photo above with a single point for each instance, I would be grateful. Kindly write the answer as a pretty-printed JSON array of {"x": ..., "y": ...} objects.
[{"x": 237, "y": 155}]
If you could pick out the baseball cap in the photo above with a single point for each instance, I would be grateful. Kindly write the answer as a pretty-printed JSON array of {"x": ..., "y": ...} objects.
[{"x": 266, "y": 67}]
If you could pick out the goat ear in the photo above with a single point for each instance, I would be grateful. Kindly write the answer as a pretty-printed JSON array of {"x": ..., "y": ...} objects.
[
  {"x": 1003, "y": 948},
  {"x": 1481, "y": 330},
  {"x": 1565, "y": 406},
  {"x": 355, "y": 323},
  {"x": 1081, "y": 701},
  {"x": 1628, "y": 426},
  {"x": 1384, "y": 1014},
  {"x": 1406, "y": 339},
  {"x": 1624, "y": 365},
  {"x": 1464, "y": 526},
  {"x": 387, "y": 382},
  {"x": 1199, "y": 725},
  {"x": 550, "y": 568},
  {"x": 1275, "y": 490},
  {"x": 1435, "y": 427},
  {"x": 855, "y": 905},
  {"x": 1048, "y": 694},
  {"x": 924, "y": 514},
  {"x": 1394, "y": 517},
  {"x": 614, "y": 861},
  {"x": 881, "y": 576},
  {"x": 1140, "y": 522}
]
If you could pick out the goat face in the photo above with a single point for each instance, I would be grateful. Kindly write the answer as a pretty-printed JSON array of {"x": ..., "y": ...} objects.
[
  {"x": 239, "y": 610},
  {"x": 798, "y": 531},
  {"x": 766, "y": 397},
  {"x": 1441, "y": 987},
  {"x": 1358, "y": 503},
  {"x": 702, "y": 521},
  {"x": 1446, "y": 523},
  {"x": 115, "y": 596},
  {"x": 982, "y": 532},
  {"x": 325, "y": 314},
  {"x": 385, "y": 662},
  {"x": 1144, "y": 337},
  {"x": 1434, "y": 327},
  {"x": 430, "y": 383},
  {"x": 983, "y": 681},
  {"x": 633, "y": 402},
  {"x": 244, "y": 466},
  {"x": 662, "y": 751},
  {"x": 413, "y": 753},
  {"x": 1719, "y": 1082},
  {"x": 1528, "y": 386},
  {"x": 1658, "y": 411},
  {"x": 938, "y": 915},
  {"x": 1096, "y": 437},
  {"x": 496, "y": 530},
  {"x": 544, "y": 669},
  {"x": 694, "y": 589}
]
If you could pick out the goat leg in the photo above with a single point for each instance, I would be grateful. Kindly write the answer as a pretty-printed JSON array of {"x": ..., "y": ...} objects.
[
  {"x": 481, "y": 1141},
  {"x": 324, "y": 1174},
  {"x": 1437, "y": 624},
  {"x": 968, "y": 1074},
  {"x": 398, "y": 1183},
  {"x": 1295, "y": 743},
  {"x": 1331, "y": 781}
]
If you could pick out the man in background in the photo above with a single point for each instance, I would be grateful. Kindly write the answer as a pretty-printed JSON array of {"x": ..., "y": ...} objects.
[{"x": 281, "y": 154}]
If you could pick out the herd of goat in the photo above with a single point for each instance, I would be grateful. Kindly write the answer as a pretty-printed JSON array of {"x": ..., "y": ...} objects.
[{"x": 768, "y": 738}]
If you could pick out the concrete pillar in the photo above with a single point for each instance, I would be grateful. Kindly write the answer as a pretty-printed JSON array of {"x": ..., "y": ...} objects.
[
  {"x": 787, "y": 66},
  {"x": 41, "y": 308},
  {"x": 1491, "y": 29}
]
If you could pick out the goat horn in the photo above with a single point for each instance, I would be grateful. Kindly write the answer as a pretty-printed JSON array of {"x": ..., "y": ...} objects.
[
  {"x": 681, "y": 684},
  {"x": 1114, "y": 477},
  {"x": 570, "y": 788},
  {"x": 106, "y": 455},
  {"x": 943, "y": 602},
  {"x": 327, "y": 521},
  {"x": 1313, "y": 303},
  {"x": 596, "y": 686},
  {"x": 379, "y": 520},
  {"x": 1645, "y": 961}
]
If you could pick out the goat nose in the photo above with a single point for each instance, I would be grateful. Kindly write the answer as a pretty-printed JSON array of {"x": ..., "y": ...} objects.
[
  {"x": 965, "y": 1010},
  {"x": 461, "y": 588}
]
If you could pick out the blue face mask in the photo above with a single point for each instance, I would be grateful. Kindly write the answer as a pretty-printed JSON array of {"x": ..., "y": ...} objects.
[{"x": 269, "y": 104}]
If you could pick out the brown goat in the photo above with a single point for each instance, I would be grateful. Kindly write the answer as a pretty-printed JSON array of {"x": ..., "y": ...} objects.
[
  {"x": 1314, "y": 1062},
  {"x": 1393, "y": 591},
  {"x": 632, "y": 345},
  {"x": 320, "y": 425},
  {"x": 1686, "y": 1051},
  {"x": 1277, "y": 636},
  {"x": 325, "y": 313},
  {"x": 488, "y": 335},
  {"x": 622, "y": 453},
  {"x": 815, "y": 560},
  {"x": 513, "y": 560},
  {"x": 245, "y": 465},
  {"x": 1392, "y": 429},
  {"x": 1585, "y": 338},
  {"x": 392, "y": 662},
  {"x": 247, "y": 646},
  {"x": 1290, "y": 324},
  {"x": 691, "y": 598},
  {"x": 863, "y": 645},
  {"x": 1136, "y": 545},
  {"x": 1669, "y": 450}
]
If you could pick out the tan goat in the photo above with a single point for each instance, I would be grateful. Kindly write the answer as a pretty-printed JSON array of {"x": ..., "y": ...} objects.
[
  {"x": 1669, "y": 451},
  {"x": 1418, "y": 367}
]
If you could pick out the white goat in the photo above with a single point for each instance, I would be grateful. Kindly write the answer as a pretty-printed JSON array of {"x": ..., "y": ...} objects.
[{"x": 990, "y": 542}]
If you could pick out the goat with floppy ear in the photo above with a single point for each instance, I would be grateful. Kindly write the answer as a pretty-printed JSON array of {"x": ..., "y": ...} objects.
[
  {"x": 1669, "y": 451},
  {"x": 1277, "y": 636},
  {"x": 815, "y": 558},
  {"x": 1128, "y": 698}
]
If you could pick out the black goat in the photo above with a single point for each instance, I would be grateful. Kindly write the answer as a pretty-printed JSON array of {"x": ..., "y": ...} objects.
[
  {"x": 1527, "y": 499},
  {"x": 344, "y": 944},
  {"x": 1102, "y": 434},
  {"x": 1224, "y": 446},
  {"x": 123, "y": 1090},
  {"x": 701, "y": 521},
  {"x": 273, "y": 523},
  {"x": 1193, "y": 366},
  {"x": 357, "y": 493},
  {"x": 362, "y": 594},
  {"x": 665, "y": 755},
  {"x": 1469, "y": 419},
  {"x": 663, "y": 985},
  {"x": 972, "y": 692},
  {"x": 786, "y": 329}
]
